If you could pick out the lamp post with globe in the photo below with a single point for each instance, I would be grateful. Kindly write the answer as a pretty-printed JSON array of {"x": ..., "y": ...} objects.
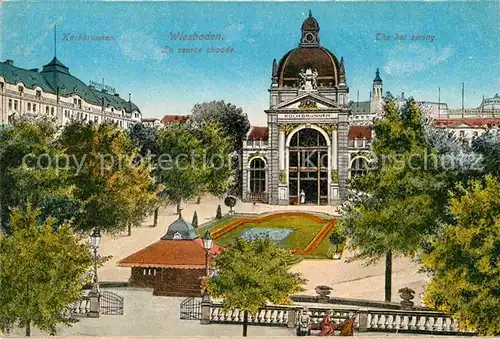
[
  {"x": 206, "y": 302},
  {"x": 207, "y": 245},
  {"x": 95, "y": 294}
]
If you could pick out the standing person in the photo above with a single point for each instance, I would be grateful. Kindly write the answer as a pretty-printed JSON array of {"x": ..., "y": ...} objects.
[
  {"x": 304, "y": 325},
  {"x": 302, "y": 197}
]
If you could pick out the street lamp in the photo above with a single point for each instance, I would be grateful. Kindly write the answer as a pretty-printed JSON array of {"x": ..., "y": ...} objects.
[
  {"x": 207, "y": 245},
  {"x": 94, "y": 294},
  {"x": 95, "y": 239}
]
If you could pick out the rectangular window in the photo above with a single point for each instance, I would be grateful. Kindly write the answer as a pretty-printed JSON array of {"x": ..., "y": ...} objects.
[
  {"x": 21, "y": 89},
  {"x": 47, "y": 110},
  {"x": 52, "y": 111},
  {"x": 38, "y": 94},
  {"x": 15, "y": 105},
  {"x": 34, "y": 108},
  {"x": 29, "y": 106},
  {"x": 10, "y": 104},
  {"x": 462, "y": 134}
]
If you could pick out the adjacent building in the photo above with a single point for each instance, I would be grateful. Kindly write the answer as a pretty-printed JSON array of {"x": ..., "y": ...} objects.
[
  {"x": 174, "y": 265},
  {"x": 55, "y": 93}
]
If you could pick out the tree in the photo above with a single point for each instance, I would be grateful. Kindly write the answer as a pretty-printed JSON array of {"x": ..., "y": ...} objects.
[
  {"x": 252, "y": 274},
  {"x": 218, "y": 215},
  {"x": 114, "y": 190},
  {"x": 193, "y": 161},
  {"x": 33, "y": 170},
  {"x": 42, "y": 272},
  {"x": 488, "y": 146},
  {"x": 465, "y": 261},
  {"x": 234, "y": 124},
  {"x": 144, "y": 141},
  {"x": 195, "y": 220},
  {"x": 336, "y": 239},
  {"x": 395, "y": 207}
]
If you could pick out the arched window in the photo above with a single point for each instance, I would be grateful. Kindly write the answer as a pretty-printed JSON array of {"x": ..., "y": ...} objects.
[
  {"x": 257, "y": 175},
  {"x": 359, "y": 167}
]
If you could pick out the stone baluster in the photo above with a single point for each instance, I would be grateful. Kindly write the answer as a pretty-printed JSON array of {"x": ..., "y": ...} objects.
[
  {"x": 403, "y": 323},
  {"x": 387, "y": 322}
]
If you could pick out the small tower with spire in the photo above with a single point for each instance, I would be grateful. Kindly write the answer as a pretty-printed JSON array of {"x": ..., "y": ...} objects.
[
  {"x": 310, "y": 32},
  {"x": 377, "y": 90}
]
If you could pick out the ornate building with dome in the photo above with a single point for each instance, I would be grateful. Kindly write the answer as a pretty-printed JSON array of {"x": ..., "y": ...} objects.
[
  {"x": 316, "y": 139},
  {"x": 302, "y": 156}
]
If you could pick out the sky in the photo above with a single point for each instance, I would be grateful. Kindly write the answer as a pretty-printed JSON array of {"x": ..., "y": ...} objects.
[{"x": 464, "y": 48}]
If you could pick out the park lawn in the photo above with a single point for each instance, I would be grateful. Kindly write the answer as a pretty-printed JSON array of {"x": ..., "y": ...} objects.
[{"x": 304, "y": 231}]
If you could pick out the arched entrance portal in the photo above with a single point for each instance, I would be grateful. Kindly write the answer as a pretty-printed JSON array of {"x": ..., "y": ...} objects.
[{"x": 308, "y": 167}]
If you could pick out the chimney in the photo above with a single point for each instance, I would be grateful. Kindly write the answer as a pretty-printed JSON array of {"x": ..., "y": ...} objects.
[{"x": 9, "y": 62}]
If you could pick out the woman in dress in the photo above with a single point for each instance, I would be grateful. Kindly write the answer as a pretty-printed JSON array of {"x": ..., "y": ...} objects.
[{"x": 327, "y": 325}]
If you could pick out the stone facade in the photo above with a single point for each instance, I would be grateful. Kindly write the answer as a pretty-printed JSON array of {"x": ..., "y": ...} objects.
[
  {"x": 55, "y": 93},
  {"x": 308, "y": 92}
]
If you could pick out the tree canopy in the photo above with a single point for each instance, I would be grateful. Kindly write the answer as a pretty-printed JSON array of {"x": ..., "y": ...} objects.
[
  {"x": 42, "y": 272},
  {"x": 234, "y": 124},
  {"x": 252, "y": 274},
  {"x": 395, "y": 207},
  {"x": 464, "y": 260},
  {"x": 193, "y": 160},
  {"x": 32, "y": 171},
  {"x": 113, "y": 190}
]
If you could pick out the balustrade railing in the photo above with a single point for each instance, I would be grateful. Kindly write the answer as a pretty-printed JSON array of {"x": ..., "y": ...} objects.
[
  {"x": 412, "y": 322},
  {"x": 275, "y": 316},
  {"x": 425, "y": 322},
  {"x": 80, "y": 308}
]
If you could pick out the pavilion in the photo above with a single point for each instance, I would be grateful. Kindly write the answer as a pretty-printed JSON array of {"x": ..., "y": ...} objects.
[{"x": 174, "y": 265}]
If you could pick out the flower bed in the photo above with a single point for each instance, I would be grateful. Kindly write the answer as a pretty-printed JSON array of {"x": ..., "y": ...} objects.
[
  {"x": 309, "y": 234},
  {"x": 275, "y": 234}
]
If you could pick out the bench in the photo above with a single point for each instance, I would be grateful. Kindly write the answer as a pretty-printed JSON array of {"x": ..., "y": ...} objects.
[{"x": 259, "y": 197}]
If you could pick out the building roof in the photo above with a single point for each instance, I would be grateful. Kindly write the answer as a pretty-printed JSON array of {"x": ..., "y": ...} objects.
[
  {"x": 309, "y": 55},
  {"x": 55, "y": 78},
  {"x": 169, "y": 119},
  {"x": 310, "y": 24},
  {"x": 360, "y": 107},
  {"x": 150, "y": 119},
  {"x": 360, "y": 132},
  {"x": 377, "y": 77},
  {"x": 470, "y": 122},
  {"x": 186, "y": 254},
  {"x": 320, "y": 58},
  {"x": 180, "y": 229},
  {"x": 258, "y": 133},
  {"x": 180, "y": 247}
]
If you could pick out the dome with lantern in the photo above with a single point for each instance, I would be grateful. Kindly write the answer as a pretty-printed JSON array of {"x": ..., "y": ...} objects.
[{"x": 310, "y": 56}]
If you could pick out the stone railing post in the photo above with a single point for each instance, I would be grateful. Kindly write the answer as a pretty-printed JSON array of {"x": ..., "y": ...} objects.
[
  {"x": 363, "y": 320},
  {"x": 95, "y": 302},
  {"x": 206, "y": 307},
  {"x": 292, "y": 316}
]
